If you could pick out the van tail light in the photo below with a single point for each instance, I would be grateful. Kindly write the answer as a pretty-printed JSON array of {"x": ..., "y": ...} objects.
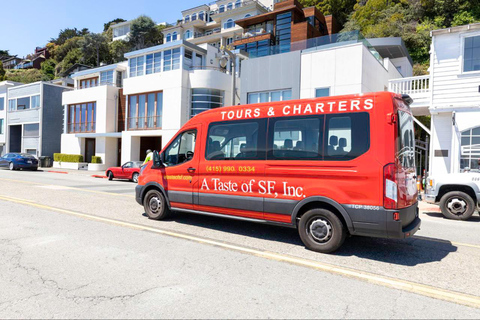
[{"x": 390, "y": 186}]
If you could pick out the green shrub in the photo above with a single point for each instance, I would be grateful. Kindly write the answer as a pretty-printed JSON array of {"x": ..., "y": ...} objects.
[
  {"x": 61, "y": 157},
  {"x": 96, "y": 159}
]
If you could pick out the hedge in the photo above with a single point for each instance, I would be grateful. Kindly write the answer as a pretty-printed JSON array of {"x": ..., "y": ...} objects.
[
  {"x": 96, "y": 159},
  {"x": 61, "y": 157}
]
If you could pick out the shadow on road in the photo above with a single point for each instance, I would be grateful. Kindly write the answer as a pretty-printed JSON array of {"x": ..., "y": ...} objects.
[
  {"x": 407, "y": 252},
  {"x": 474, "y": 218}
]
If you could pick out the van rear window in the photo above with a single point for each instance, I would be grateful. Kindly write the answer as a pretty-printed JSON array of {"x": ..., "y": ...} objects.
[{"x": 405, "y": 140}]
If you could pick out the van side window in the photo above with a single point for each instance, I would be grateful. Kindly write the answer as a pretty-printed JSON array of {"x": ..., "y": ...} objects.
[
  {"x": 406, "y": 140},
  {"x": 236, "y": 140},
  {"x": 296, "y": 138},
  {"x": 181, "y": 149},
  {"x": 347, "y": 136}
]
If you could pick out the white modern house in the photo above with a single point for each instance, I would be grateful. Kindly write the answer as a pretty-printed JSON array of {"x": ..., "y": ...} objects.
[
  {"x": 451, "y": 94},
  {"x": 215, "y": 23},
  {"x": 121, "y": 30}
]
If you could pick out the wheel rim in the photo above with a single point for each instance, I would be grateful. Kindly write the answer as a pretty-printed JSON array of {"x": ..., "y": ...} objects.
[
  {"x": 155, "y": 205},
  {"x": 457, "y": 206},
  {"x": 11, "y": 166},
  {"x": 135, "y": 178},
  {"x": 320, "y": 230}
]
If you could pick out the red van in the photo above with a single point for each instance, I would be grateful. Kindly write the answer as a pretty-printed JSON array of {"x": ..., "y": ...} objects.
[{"x": 330, "y": 167}]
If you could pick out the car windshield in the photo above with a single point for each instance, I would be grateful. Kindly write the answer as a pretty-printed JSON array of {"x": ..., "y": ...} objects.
[{"x": 25, "y": 155}]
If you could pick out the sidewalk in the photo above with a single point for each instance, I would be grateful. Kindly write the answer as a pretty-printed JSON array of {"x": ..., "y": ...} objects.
[
  {"x": 427, "y": 207},
  {"x": 85, "y": 173}
]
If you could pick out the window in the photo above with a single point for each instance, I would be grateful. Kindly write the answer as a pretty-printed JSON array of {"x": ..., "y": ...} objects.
[
  {"x": 82, "y": 117},
  {"x": 238, "y": 3},
  {"x": 12, "y": 104},
  {"x": 194, "y": 17},
  {"x": 121, "y": 31},
  {"x": 470, "y": 149},
  {"x": 169, "y": 37},
  {"x": 229, "y": 6},
  {"x": 23, "y": 103},
  {"x": 106, "y": 77},
  {"x": 187, "y": 18},
  {"x": 128, "y": 165},
  {"x": 1, "y": 126},
  {"x": 171, "y": 59},
  {"x": 33, "y": 152},
  {"x": 229, "y": 41},
  {"x": 296, "y": 138},
  {"x": 188, "y": 34},
  {"x": 236, "y": 140},
  {"x": 136, "y": 66},
  {"x": 221, "y": 9},
  {"x": 174, "y": 35},
  {"x": 35, "y": 102},
  {"x": 88, "y": 83},
  {"x": 145, "y": 111},
  {"x": 283, "y": 31},
  {"x": 205, "y": 99},
  {"x": 258, "y": 48},
  {"x": 181, "y": 149},
  {"x": 31, "y": 130},
  {"x": 228, "y": 24},
  {"x": 248, "y": 15},
  {"x": 153, "y": 63},
  {"x": 201, "y": 15},
  {"x": 406, "y": 140},
  {"x": 471, "y": 54},
  {"x": 347, "y": 136},
  {"x": 322, "y": 92},
  {"x": 270, "y": 96},
  {"x": 2, "y": 104}
]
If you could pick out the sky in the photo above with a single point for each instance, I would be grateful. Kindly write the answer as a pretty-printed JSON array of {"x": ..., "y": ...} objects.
[{"x": 33, "y": 23}]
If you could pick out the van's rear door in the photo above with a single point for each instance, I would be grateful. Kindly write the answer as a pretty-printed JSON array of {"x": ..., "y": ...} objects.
[{"x": 405, "y": 156}]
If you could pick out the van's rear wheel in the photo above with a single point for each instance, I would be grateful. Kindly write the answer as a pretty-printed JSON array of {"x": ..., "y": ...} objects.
[
  {"x": 155, "y": 205},
  {"x": 457, "y": 205},
  {"x": 321, "y": 230}
]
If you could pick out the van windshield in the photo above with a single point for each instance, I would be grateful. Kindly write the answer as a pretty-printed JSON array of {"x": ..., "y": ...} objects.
[{"x": 406, "y": 140}]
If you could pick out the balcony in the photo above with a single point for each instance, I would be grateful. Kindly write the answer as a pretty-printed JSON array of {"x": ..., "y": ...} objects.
[
  {"x": 145, "y": 123},
  {"x": 418, "y": 88},
  {"x": 85, "y": 127}
]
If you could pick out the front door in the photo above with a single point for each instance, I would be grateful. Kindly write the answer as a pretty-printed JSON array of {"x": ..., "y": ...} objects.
[
  {"x": 89, "y": 149},
  {"x": 180, "y": 174}
]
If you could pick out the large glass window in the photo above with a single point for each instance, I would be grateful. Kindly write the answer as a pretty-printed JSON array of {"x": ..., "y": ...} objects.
[
  {"x": 2, "y": 103},
  {"x": 35, "y": 102},
  {"x": 136, "y": 66},
  {"x": 82, "y": 117},
  {"x": 23, "y": 103},
  {"x": 194, "y": 17},
  {"x": 1, "y": 126},
  {"x": 187, "y": 18},
  {"x": 470, "y": 149},
  {"x": 169, "y": 37},
  {"x": 171, "y": 59},
  {"x": 205, "y": 99},
  {"x": 347, "y": 136},
  {"x": 145, "y": 111},
  {"x": 322, "y": 92},
  {"x": 236, "y": 140},
  {"x": 153, "y": 63},
  {"x": 88, "y": 83},
  {"x": 471, "y": 54},
  {"x": 12, "y": 104},
  {"x": 228, "y": 24},
  {"x": 406, "y": 140},
  {"x": 181, "y": 149},
  {"x": 106, "y": 77},
  {"x": 174, "y": 34},
  {"x": 31, "y": 130},
  {"x": 269, "y": 96},
  {"x": 201, "y": 15},
  {"x": 296, "y": 138},
  {"x": 283, "y": 31}
]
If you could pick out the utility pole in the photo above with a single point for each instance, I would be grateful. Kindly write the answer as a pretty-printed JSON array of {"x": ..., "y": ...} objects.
[{"x": 233, "y": 70}]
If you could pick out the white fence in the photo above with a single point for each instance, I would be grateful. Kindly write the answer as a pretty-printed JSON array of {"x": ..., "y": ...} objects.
[{"x": 413, "y": 86}]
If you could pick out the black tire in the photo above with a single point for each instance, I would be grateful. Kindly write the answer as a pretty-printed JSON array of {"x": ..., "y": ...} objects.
[
  {"x": 110, "y": 175},
  {"x": 457, "y": 205},
  {"x": 321, "y": 230},
  {"x": 135, "y": 177},
  {"x": 11, "y": 166},
  {"x": 34, "y": 169},
  {"x": 155, "y": 205}
]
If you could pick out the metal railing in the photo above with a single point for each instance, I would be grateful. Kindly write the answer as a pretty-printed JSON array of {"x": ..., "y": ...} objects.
[
  {"x": 84, "y": 127},
  {"x": 414, "y": 86},
  {"x": 144, "y": 123}
]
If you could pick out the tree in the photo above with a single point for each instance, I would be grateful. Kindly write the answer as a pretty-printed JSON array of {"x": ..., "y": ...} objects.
[
  {"x": 48, "y": 68},
  {"x": 117, "y": 50},
  {"x": 72, "y": 57},
  {"x": 110, "y": 23},
  {"x": 67, "y": 33},
  {"x": 144, "y": 33},
  {"x": 25, "y": 75},
  {"x": 94, "y": 47},
  {"x": 340, "y": 9},
  {"x": 2, "y": 71}
]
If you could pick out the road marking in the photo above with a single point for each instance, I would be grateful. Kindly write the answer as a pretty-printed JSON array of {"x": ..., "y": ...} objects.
[
  {"x": 53, "y": 186},
  {"x": 425, "y": 290},
  {"x": 447, "y": 242}
]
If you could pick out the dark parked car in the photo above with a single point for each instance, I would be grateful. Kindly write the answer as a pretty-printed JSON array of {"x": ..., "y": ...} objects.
[
  {"x": 130, "y": 171},
  {"x": 14, "y": 161}
]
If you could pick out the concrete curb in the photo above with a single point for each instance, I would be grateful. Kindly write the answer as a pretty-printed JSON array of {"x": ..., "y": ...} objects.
[{"x": 99, "y": 176}]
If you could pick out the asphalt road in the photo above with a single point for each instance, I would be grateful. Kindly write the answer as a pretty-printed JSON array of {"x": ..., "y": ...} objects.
[{"x": 77, "y": 247}]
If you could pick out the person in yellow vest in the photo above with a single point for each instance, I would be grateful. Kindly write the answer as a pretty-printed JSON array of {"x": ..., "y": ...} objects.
[{"x": 149, "y": 156}]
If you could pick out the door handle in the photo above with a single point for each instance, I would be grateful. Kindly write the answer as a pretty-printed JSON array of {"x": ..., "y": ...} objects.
[{"x": 191, "y": 170}]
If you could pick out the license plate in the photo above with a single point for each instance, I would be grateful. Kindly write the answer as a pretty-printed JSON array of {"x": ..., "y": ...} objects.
[{"x": 29, "y": 161}]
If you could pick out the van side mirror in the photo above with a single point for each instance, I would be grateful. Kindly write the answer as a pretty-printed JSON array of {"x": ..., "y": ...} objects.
[{"x": 157, "y": 160}]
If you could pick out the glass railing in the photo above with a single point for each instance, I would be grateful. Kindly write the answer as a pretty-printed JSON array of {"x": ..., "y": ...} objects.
[
  {"x": 144, "y": 123},
  {"x": 319, "y": 43},
  {"x": 84, "y": 127}
]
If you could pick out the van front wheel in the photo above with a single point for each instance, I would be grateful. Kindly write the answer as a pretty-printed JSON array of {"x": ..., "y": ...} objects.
[
  {"x": 155, "y": 205},
  {"x": 321, "y": 230}
]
